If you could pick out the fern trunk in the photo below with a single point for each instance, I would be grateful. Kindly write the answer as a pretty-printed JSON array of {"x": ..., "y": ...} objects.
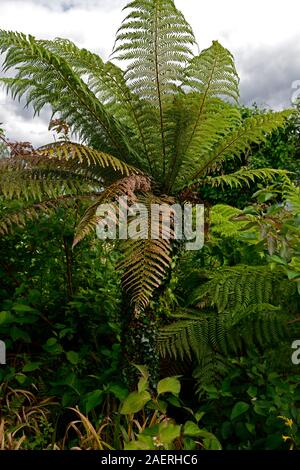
[{"x": 139, "y": 336}]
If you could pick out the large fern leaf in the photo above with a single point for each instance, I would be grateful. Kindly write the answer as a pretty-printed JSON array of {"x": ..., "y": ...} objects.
[
  {"x": 157, "y": 41},
  {"x": 46, "y": 78}
]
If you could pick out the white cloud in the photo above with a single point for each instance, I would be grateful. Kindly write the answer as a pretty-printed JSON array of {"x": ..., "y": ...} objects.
[{"x": 252, "y": 30}]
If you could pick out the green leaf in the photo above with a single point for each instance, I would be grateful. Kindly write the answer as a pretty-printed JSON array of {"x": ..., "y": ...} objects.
[
  {"x": 23, "y": 308},
  {"x": 6, "y": 318},
  {"x": 277, "y": 259},
  {"x": 93, "y": 399},
  {"x": 199, "y": 415},
  {"x": 135, "y": 402},
  {"x": 292, "y": 275},
  {"x": 143, "y": 384},
  {"x": 118, "y": 391},
  {"x": 52, "y": 346},
  {"x": 212, "y": 443},
  {"x": 252, "y": 391},
  {"x": 238, "y": 409},
  {"x": 168, "y": 432},
  {"x": 191, "y": 429},
  {"x": 21, "y": 378},
  {"x": 143, "y": 370},
  {"x": 31, "y": 366},
  {"x": 17, "y": 334},
  {"x": 250, "y": 427},
  {"x": 73, "y": 357},
  {"x": 143, "y": 443},
  {"x": 169, "y": 384}
]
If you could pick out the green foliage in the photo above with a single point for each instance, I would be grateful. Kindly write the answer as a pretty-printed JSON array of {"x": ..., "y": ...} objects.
[
  {"x": 62, "y": 331},
  {"x": 162, "y": 433},
  {"x": 240, "y": 303},
  {"x": 253, "y": 405},
  {"x": 165, "y": 129}
]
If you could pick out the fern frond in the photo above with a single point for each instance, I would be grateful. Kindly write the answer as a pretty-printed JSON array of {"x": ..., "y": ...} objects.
[
  {"x": 82, "y": 156},
  {"x": 212, "y": 368},
  {"x": 47, "y": 78},
  {"x": 253, "y": 130},
  {"x": 157, "y": 41},
  {"x": 209, "y": 77},
  {"x": 147, "y": 258},
  {"x": 127, "y": 187},
  {"x": 222, "y": 223},
  {"x": 292, "y": 196},
  {"x": 58, "y": 169},
  {"x": 244, "y": 177},
  {"x": 196, "y": 139},
  {"x": 107, "y": 82},
  {"x": 236, "y": 287},
  {"x": 213, "y": 338},
  {"x": 213, "y": 74},
  {"x": 19, "y": 218}
]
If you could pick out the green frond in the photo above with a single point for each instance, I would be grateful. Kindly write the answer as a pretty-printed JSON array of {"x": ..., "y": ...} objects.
[
  {"x": 125, "y": 187},
  {"x": 292, "y": 196},
  {"x": 189, "y": 337},
  {"x": 244, "y": 177},
  {"x": 236, "y": 287},
  {"x": 209, "y": 77},
  {"x": 222, "y": 221},
  {"x": 213, "y": 74},
  {"x": 146, "y": 258},
  {"x": 156, "y": 40},
  {"x": 253, "y": 130},
  {"x": 213, "y": 338},
  {"x": 58, "y": 169},
  {"x": 107, "y": 82},
  {"x": 212, "y": 368},
  {"x": 30, "y": 186},
  {"x": 84, "y": 157},
  {"x": 47, "y": 78},
  {"x": 196, "y": 133},
  {"x": 19, "y": 218}
]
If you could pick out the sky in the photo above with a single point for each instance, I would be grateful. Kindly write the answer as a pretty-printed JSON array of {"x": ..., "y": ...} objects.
[{"x": 263, "y": 35}]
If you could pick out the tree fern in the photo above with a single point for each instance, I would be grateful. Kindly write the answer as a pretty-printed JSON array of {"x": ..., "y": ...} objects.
[{"x": 169, "y": 118}]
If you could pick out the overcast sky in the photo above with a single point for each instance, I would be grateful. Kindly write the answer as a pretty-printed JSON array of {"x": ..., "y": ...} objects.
[{"x": 263, "y": 35}]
